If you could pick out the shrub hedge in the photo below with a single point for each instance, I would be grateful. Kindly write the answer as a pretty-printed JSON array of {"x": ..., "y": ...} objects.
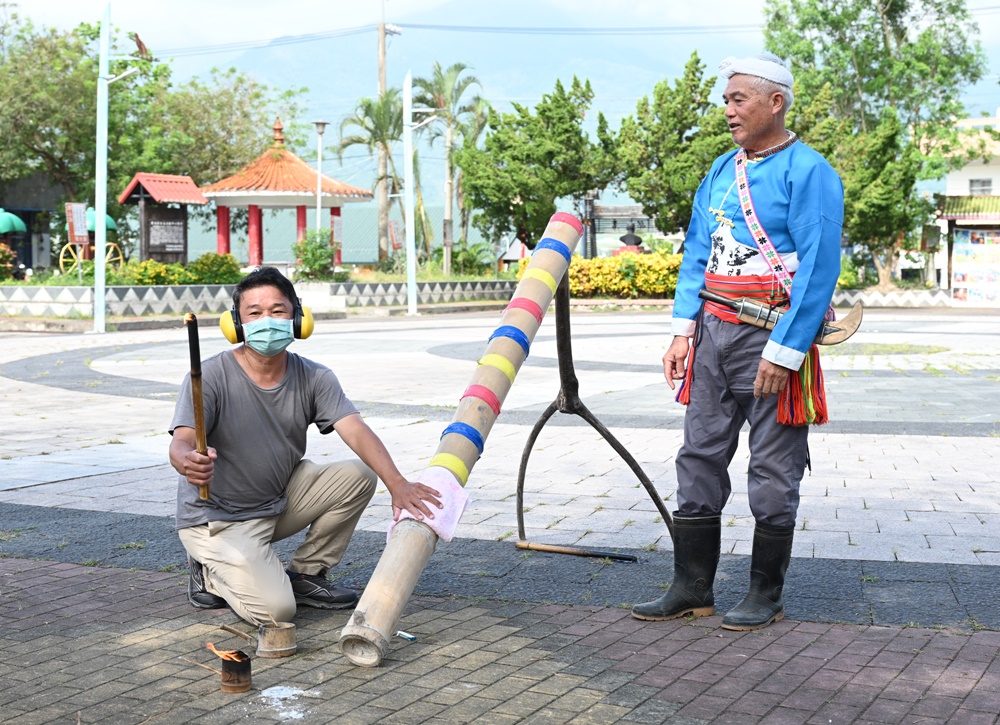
[{"x": 629, "y": 275}]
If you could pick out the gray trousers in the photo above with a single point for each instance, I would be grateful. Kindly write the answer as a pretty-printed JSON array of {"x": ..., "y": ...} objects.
[{"x": 725, "y": 366}]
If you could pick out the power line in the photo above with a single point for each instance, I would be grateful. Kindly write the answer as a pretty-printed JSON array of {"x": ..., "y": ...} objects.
[
  {"x": 311, "y": 37},
  {"x": 640, "y": 30},
  {"x": 494, "y": 29}
]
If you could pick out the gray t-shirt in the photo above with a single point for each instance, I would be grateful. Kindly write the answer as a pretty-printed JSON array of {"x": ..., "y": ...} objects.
[{"x": 259, "y": 435}]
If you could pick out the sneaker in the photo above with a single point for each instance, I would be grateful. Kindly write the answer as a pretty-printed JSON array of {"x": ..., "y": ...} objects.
[
  {"x": 198, "y": 595},
  {"x": 317, "y": 591}
]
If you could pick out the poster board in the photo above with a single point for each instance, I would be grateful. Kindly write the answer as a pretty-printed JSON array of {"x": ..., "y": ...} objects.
[
  {"x": 76, "y": 218},
  {"x": 975, "y": 278}
]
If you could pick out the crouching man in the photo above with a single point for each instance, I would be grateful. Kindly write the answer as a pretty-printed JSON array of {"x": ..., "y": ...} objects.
[{"x": 259, "y": 401}]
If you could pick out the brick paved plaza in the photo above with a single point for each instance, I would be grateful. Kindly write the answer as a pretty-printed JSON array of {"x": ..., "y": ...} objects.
[{"x": 893, "y": 596}]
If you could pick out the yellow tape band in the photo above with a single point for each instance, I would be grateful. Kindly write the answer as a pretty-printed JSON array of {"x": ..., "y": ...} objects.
[
  {"x": 453, "y": 463},
  {"x": 500, "y": 363},
  {"x": 542, "y": 276}
]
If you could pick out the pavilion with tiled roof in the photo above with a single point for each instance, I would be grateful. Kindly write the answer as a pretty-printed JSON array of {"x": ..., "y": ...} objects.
[{"x": 277, "y": 179}]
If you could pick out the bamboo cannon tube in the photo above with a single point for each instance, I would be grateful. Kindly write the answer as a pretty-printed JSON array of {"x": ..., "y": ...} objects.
[{"x": 365, "y": 638}]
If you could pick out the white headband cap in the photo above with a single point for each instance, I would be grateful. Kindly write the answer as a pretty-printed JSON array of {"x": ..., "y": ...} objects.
[{"x": 765, "y": 65}]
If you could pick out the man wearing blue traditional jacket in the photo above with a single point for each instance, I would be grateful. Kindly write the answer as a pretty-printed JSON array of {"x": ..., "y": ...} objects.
[{"x": 766, "y": 226}]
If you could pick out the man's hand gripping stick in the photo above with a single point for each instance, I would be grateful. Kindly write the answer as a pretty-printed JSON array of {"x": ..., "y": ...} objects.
[{"x": 199, "y": 406}]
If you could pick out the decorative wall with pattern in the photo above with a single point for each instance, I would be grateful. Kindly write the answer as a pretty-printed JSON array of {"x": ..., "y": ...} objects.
[
  {"x": 394, "y": 293},
  {"x": 203, "y": 299}
]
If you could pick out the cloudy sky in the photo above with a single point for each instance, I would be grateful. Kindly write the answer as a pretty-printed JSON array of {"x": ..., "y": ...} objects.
[
  {"x": 194, "y": 24},
  {"x": 340, "y": 67}
]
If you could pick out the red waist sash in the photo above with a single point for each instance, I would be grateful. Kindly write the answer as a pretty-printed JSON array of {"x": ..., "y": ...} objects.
[{"x": 758, "y": 287}]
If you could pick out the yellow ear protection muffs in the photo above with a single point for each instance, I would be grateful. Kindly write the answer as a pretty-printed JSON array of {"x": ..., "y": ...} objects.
[{"x": 302, "y": 324}]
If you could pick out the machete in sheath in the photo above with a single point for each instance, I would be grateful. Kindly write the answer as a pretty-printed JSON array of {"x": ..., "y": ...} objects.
[{"x": 767, "y": 317}]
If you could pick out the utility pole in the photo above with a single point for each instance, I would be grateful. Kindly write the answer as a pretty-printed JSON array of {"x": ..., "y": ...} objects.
[{"x": 383, "y": 183}]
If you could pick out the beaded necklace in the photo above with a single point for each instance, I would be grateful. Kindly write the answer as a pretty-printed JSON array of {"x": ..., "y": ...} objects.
[{"x": 792, "y": 138}]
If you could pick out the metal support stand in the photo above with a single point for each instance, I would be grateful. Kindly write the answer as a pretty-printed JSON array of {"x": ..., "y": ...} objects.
[{"x": 568, "y": 401}]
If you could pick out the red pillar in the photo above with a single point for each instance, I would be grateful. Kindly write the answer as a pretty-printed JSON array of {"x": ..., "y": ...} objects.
[
  {"x": 222, "y": 233},
  {"x": 336, "y": 232},
  {"x": 300, "y": 223},
  {"x": 255, "y": 230}
]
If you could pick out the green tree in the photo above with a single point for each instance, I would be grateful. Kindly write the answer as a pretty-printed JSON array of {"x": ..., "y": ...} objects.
[
  {"x": 443, "y": 92},
  {"x": 48, "y": 112},
  {"x": 879, "y": 170},
  {"x": 212, "y": 128},
  {"x": 48, "y": 109},
  {"x": 910, "y": 58},
  {"x": 471, "y": 129},
  {"x": 529, "y": 160},
  {"x": 378, "y": 125},
  {"x": 665, "y": 149},
  {"x": 423, "y": 233}
]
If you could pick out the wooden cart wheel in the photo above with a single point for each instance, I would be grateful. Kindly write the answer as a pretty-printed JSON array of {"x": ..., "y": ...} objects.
[
  {"x": 69, "y": 257},
  {"x": 114, "y": 256}
]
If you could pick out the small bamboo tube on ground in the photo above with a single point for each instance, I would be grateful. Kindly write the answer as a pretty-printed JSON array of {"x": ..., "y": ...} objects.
[{"x": 365, "y": 638}]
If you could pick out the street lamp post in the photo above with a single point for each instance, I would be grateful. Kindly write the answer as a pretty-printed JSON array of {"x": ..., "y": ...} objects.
[
  {"x": 101, "y": 175},
  {"x": 104, "y": 79},
  {"x": 320, "y": 128}
]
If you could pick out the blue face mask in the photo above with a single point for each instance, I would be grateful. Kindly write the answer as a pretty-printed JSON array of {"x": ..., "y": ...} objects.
[{"x": 268, "y": 335}]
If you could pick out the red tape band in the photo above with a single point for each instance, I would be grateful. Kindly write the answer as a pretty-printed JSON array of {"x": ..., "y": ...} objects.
[
  {"x": 484, "y": 394},
  {"x": 528, "y": 305},
  {"x": 565, "y": 218}
]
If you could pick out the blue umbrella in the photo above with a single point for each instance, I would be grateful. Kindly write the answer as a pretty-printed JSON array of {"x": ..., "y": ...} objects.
[{"x": 11, "y": 223}]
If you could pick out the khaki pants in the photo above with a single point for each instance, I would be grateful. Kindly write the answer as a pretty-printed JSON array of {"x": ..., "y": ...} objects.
[{"x": 239, "y": 563}]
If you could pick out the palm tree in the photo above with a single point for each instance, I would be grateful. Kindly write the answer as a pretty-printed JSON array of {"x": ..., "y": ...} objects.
[
  {"x": 422, "y": 231},
  {"x": 471, "y": 129},
  {"x": 380, "y": 125},
  {"x": 443, "y": 92}
]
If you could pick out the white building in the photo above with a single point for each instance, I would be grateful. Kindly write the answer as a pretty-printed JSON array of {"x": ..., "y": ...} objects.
[{"x": 970, "y": 216}]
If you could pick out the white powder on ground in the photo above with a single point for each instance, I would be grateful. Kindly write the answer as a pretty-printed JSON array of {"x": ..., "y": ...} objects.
[{"x": 282, "y": 699}]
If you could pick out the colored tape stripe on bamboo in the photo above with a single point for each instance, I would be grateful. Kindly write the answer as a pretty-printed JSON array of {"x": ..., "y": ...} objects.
[
  {"x": 466, "y": 430},
  {"x": 515, "y": 334},
  {"x": 556, "y": 246},
  {"x": 565, "y": 218},
  {"x": 484, "y": 394},
  {"x": 453, "y": 463},
  {"x": 542, "y": 276},
  {"x": 528, "y": 305},
  {"x": 500, "y": 363}
]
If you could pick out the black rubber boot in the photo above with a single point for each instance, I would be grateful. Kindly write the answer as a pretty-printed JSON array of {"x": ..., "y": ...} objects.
[
  {"x": 763, "y": 604},
  {"x": 696, "y": 557}
]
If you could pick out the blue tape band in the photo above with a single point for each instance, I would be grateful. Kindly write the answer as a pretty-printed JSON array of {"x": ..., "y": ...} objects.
[
  {"x": 515, "y": 334},
  {"x": 556, "y": 246},
  {"x": 464, "y": 429}
]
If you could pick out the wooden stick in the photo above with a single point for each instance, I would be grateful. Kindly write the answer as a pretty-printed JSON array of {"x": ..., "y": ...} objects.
[
  {"x": 237, "y": 632},
  {"x": 199, "y": 406},
  {"x": 575, "y": 551},
  {"x": 210, "y": 669}
]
